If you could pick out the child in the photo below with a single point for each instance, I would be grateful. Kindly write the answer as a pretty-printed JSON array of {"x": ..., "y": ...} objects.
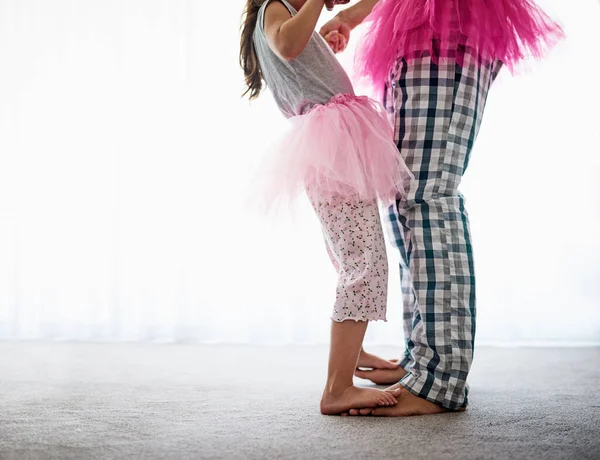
[{"x": 340, "y": 151}]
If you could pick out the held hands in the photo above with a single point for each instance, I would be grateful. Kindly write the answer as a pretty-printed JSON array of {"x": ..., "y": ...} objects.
[
  {"x": 336, "y": 33},
  {"x": 336, "y": 41}
]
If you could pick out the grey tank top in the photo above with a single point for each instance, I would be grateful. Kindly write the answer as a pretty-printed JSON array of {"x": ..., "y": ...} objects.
[{"x": 314, "y": 77}]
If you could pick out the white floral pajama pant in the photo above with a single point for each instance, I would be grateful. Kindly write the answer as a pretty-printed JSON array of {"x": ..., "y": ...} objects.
[{"x": 356, "y": 246}]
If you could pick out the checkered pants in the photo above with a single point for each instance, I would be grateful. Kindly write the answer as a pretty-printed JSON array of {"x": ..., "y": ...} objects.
[{"x": 437, "y": 112}]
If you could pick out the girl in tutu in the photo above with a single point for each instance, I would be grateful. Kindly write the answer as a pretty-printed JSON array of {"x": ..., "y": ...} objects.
[{"x": 340, "y": 152}]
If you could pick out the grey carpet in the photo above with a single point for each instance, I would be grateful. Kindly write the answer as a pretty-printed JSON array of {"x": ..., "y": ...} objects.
[{"x": 86, "y": 401}]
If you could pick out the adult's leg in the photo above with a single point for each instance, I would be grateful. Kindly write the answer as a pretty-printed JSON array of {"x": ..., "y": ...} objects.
[{"x": 438, "y": 113}]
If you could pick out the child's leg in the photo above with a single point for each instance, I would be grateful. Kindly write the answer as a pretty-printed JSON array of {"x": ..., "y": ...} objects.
[
  {"x": 340, "y": 394},
  {"x": 356, "y": 246}
]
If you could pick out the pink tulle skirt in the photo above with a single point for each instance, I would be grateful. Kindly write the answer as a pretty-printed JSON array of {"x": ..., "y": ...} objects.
[
  {"x": 344, "y": 147},
  {"x": 505, "y": 30}
]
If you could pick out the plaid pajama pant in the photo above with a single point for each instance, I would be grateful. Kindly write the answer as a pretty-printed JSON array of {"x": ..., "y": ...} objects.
[{"x": 437, "y": 112}]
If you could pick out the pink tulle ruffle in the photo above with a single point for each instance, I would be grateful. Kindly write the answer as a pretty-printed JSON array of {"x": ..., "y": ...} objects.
[
  {"x": 344, "y": 147},
  {"x": 505, "y": 30}
]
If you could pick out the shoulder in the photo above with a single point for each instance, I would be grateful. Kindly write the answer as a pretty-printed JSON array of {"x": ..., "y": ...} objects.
[
  {"x": 276, "y": 5},
  {"x": 275, "y": 13}
]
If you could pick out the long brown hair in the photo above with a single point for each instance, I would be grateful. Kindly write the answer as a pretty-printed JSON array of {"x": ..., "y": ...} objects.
[{"x": 248, "y": 58}]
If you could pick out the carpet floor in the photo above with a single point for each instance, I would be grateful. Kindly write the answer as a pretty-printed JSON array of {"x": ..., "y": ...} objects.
[{"x": 129, "y": 401}]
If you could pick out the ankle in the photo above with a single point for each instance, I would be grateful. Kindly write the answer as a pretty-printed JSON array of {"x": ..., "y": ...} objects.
[{"x": 336, "y": 387}]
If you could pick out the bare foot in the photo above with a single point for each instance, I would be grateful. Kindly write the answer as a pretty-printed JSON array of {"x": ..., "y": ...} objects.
[
  {"x": 408, "y": 405},
  {"x": 334, "y": 403},
  {"x": 367, "y": 360},
  {"x": 382, "y": 376}
]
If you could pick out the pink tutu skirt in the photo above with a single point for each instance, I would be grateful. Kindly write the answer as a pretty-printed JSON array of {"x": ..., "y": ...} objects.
[
  {"x": 505, "y": 30},
  {"x": 344, "y": 147}
]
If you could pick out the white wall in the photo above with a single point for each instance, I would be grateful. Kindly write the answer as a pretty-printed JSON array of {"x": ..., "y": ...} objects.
[{"x": 124, "y": 156}]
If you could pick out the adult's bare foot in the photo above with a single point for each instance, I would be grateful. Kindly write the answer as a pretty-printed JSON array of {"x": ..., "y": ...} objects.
[
  {"x": 408, "y": 405},
  {"x": 367, "y": 360},
  {"x": 338, "y": 401}
]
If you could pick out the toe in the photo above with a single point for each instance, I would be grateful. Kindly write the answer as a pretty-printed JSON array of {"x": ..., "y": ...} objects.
[
  {"x": 392, "y": 400},
  {"x": 354, "y": 412},
  {"x": 394, "y": 387},
  {"x": 365, "y": 411},
  {"x": 362, "y": 374},
  {"x": 384, "y": 412},
  {"x": 395, "y": 392},
  {"x": 390, "y": 365}
]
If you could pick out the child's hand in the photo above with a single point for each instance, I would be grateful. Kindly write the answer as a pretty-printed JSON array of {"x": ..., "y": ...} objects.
[{"x": 336, "y": 41}]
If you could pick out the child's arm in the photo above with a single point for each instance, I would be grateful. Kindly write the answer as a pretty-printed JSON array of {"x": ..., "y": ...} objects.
[{"x": 287, "y": 35}]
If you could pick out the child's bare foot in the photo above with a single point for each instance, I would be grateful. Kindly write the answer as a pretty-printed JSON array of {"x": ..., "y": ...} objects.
[
  {"x": 367, "y": 360},
  {"x": 384, "y": 372},
  {"x": 336, "y": 402},
  {"x": 382, "y": 376}
]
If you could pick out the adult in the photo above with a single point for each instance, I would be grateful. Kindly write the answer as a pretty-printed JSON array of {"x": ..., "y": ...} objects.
[{"x": 433, "y": 63}]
